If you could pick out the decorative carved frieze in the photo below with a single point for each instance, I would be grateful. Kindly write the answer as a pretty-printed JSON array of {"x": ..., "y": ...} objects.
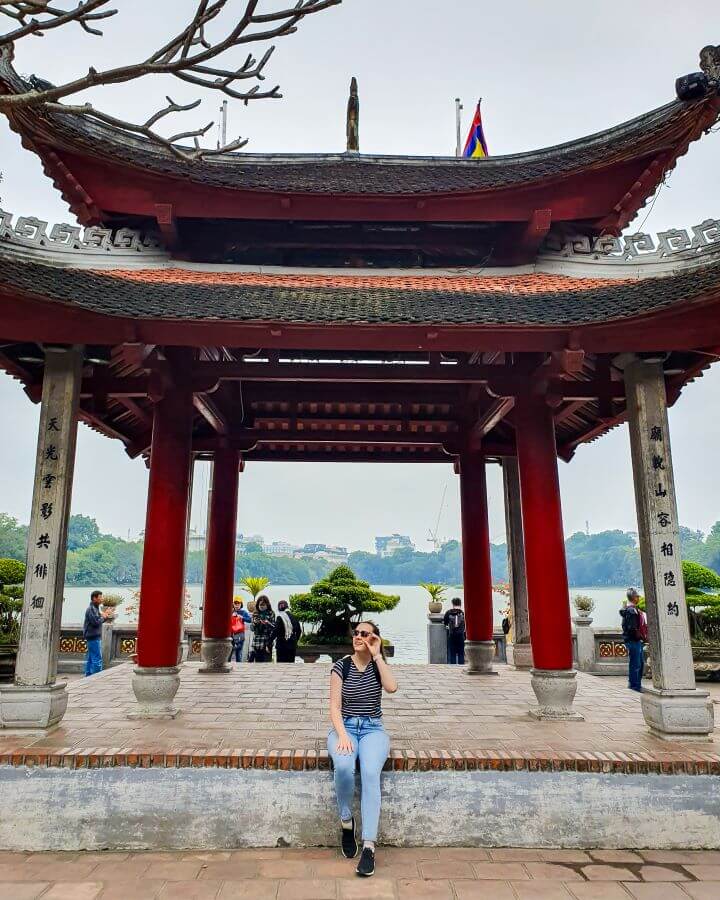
[
  {"x": 640, "y": 247},
  {"x": 30, "y": 236}
]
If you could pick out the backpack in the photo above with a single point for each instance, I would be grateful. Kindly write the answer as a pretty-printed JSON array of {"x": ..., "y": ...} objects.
[
  {"x": 643, "y": 627},
  {"x": 346, "y": 660},
  {"x": 456, "y": 626}
]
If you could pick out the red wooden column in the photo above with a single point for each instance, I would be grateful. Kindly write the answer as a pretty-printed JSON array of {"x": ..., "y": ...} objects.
[
  {"x": 477, "y": 575},
  {"x": 156, "y": 678},
  {"x": 220, "y": 564},
  {"x": 553, "y": 677}
]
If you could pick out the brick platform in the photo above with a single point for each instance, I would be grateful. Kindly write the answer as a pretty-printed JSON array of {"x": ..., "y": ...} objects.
[
  {"x": 275, "y": 717},
  {"x": 412, "y": 874}
]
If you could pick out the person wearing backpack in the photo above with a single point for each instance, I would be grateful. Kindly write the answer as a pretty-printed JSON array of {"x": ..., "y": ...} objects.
[
  {"x": 287, "y": 634},
  {"x": 633, "y": 626},
  {"x": 356, "y": 686},
  {"x": 454, "y": 622}
]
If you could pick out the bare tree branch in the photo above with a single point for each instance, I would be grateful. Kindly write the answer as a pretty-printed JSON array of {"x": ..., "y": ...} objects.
[
  {"x": 51, "y": 17},
  {"x": 188, "y": 56}
]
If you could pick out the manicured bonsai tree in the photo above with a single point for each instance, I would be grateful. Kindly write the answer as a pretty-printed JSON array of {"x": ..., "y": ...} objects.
[
  {"x": 12, "y": 577},
  {"x": 336, "y": 603},
  {"x": 701, "y": 593}
]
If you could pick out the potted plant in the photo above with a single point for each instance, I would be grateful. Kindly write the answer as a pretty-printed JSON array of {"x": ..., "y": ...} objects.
[
  {"x": 111, "y": 603},
  {"x": 254, "y": 586},
  {"x": 333, "y": 606},
  {"x": 437, "y": 595},
  {"x": 584, "y": 605},
  {"x": 12, "y": 577}
]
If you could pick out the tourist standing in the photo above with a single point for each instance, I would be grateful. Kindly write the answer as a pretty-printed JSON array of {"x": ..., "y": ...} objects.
[
  {"x": 92, "y": 632},
  {"x": 287, "y": 634},
  {"x": 632, "y": 628},
  {"x": 356, "y": 685},
  {"x": 240, "y": 618},
  {"x": 454, "y": 622},
  {"x": 263, "y": 623}
]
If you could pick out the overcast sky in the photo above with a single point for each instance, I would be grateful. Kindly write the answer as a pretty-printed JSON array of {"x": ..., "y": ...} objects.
[{"x": 547, "y": 73}]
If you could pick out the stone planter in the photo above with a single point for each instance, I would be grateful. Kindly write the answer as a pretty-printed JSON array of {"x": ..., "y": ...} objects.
[
  {"x": 310, "y": 653},
  {"x": 435, "y": 607},
  {"x": 706, "y": 661},
  {"x": 8, "y": 655}
]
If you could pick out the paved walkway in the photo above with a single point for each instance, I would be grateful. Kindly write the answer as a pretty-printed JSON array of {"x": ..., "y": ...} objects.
[
  {"x": 438, "y": 714},
  {"x": 457, "y": 874}
]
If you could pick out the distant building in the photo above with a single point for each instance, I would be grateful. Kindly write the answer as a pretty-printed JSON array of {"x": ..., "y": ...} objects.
[
  {"x": 280, "y": 548},
  {"x": 242, "y": 540},
  {"x": 386, "y": 546},
  {"x": 323, "y": 551},
  {"x": 196, "y": 541}
]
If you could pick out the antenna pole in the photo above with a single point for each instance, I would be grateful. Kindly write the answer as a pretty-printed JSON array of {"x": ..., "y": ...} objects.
[
  {"x": 222, "y": 142},
  {"x": 458, "y": 126}
]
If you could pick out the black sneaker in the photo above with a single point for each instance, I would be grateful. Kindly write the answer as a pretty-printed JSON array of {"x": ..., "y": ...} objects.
[
  {"x": 349, "y": 841},
  {"x": 366, "y": 866}
]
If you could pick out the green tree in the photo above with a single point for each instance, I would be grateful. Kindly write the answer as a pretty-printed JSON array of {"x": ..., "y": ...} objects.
[
  {"x": 338, "y": 602},
  {"x": 12, "y": 577},
  {"x": 82, "y": 532},
  {"x": 13, "y": 538}
]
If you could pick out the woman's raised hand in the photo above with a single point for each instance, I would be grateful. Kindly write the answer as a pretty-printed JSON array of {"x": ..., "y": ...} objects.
[{"x": 374, "y": 645}]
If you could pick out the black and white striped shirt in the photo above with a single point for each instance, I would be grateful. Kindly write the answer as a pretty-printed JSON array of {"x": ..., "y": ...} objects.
[{"x": 361, "y": 691}]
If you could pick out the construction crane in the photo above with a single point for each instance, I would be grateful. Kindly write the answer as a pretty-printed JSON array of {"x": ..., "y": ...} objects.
[{"x": 433, "y": 535}]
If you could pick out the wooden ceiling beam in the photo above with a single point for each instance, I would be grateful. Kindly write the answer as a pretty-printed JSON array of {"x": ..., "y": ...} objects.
[{"x": 211, "y": 413}]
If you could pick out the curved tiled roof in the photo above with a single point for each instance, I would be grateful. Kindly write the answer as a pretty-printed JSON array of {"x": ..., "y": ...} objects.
[
  {"x": 534, "y": 300},
  {"x": 670, "y": 126}
]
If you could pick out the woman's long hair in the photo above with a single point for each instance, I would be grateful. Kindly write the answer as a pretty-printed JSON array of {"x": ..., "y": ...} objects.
[{"x": 376, "y": 631}]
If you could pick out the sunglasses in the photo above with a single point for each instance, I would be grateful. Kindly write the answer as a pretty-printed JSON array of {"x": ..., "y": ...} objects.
[{"x": 363, "y": 634}]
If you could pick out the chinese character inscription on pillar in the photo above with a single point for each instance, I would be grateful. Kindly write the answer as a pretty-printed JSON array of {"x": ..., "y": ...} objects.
[
  {"x": 47, "y": 534},
  {"x": 658, "y": 529}
]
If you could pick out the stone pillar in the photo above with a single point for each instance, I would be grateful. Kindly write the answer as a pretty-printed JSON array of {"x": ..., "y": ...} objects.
[
  {"x": 477, "y": 575},
  {"x": 35, "y": 700},
  {"x": 673, "y": 707},
  {"x": 553, "y": 676},
  {"x": 220, "y": 565},
  {"x": 436, "y": 639},
  {"x": 521, "y": 650},
  {"x": 585, "y": 638},
  {"x": 156, "y": 679}
]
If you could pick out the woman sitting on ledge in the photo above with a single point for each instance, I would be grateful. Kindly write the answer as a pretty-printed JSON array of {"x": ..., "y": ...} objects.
[{"x": 356, "y": 684}]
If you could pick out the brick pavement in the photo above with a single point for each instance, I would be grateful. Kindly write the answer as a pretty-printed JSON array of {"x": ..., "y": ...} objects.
[
  {"x": 402, "y": 874},
  {"x": 275, "y": 716}
]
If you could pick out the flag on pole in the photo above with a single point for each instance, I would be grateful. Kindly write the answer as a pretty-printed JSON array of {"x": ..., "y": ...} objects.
[{"x": 476, "y": 146}]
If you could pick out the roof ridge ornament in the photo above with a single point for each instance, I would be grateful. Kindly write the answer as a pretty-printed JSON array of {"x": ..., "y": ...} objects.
[
  {"x": 353, "y": 118},
  {"x": 710, "y": 62},
  {"x": 29, "y": 236},
  {"x": 640, "y": 247}
]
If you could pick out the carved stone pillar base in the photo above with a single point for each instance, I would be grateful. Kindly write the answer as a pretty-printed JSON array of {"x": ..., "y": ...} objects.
[
  {"x": 520, "y": 656},
  {"x": 24, "y": 706},
  {"x": 678, "y": 715},
  {"x": 215, "y": 653},
  {"x": 479, "y": 657},
  {"x": 155, "y": 690},
  {"x": 555, "y": 692}
]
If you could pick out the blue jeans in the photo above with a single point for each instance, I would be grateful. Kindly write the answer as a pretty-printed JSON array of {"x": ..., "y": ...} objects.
[
  {"x": 237, "y": 649},
  {"x": 636, "y": 664},
  {"x": 371, "y": 746},
  {"x": 93, "y": 661},
  {"x": 456, "y": 651}
]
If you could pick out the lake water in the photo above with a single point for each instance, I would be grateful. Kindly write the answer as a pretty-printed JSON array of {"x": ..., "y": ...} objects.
[{"x": 406, "y": 625}]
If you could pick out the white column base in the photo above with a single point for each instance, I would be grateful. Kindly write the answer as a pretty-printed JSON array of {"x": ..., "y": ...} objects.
[
  {"x": 678, "y": 715},
  {"x": 520, "y": 656},
  {"x": 155, "y": 689},
  {"x": 479, "y": 657},
  {"x": 30, "y": 706},
  {"x": 555, "y": 692},
  {"x": 215, "y": 653}
]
